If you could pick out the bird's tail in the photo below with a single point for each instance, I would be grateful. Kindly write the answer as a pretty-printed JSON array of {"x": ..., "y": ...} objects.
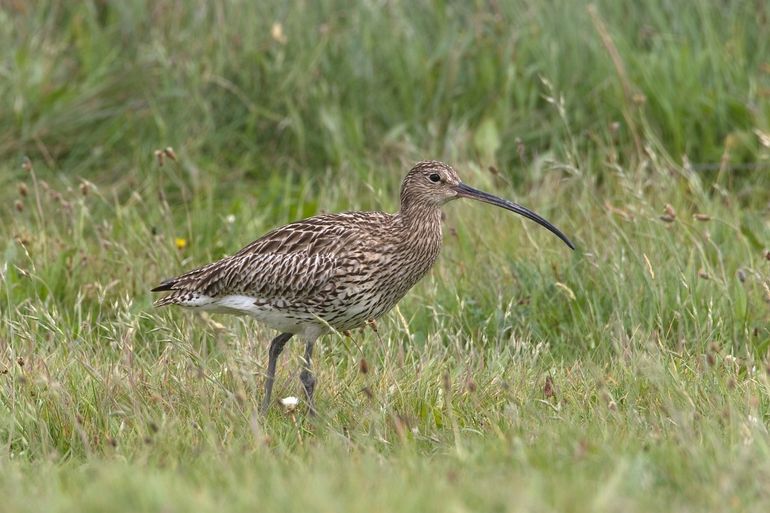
[
  {"x": 186, "y": 298},
  {"x": 171, "y": 299},
  {"x": 180, "y": 292}
]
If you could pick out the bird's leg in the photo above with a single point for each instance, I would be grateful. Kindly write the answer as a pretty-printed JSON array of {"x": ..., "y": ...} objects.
[
  {"x": 276, "y": 346},
  {"x": 307, "y": 377}
]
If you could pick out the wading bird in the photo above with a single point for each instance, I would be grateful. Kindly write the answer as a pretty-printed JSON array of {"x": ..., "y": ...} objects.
[{"x": 334, "y": 270}]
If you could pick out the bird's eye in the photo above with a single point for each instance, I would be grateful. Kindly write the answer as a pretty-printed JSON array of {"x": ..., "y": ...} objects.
[{"x": 435, "y": 178}]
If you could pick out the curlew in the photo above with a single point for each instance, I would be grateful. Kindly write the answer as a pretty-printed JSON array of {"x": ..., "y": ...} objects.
[{"x": 332, "y": 271}]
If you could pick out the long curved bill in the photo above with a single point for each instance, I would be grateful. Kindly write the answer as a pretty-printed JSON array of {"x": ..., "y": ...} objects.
[{"x": 466, "y": 191}]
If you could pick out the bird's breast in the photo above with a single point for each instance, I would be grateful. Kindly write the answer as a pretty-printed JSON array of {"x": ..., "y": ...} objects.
[{"x": 375, "y": 282}]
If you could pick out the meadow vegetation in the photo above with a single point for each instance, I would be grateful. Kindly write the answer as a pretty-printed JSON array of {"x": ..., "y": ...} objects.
[{"x": 630, "y": 375}]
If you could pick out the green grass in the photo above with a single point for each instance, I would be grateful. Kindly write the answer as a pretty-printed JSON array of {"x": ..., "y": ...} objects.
[{"x": 630, "y": 375}]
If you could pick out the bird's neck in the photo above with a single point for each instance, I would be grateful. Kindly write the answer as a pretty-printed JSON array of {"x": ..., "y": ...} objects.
[{"x": 420, "y": 221}]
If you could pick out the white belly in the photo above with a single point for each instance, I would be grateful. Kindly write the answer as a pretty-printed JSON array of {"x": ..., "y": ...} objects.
[{"x": 285, "y": 322}]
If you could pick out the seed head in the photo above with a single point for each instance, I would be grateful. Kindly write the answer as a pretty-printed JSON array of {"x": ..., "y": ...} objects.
[
  {"x": 26, "y": 164},
  {"x": 159, "y": 156},
  {"x": 446, "y": 382},
  {"x": 548, "y": 389},
  {"x": 669, "y": 215}
]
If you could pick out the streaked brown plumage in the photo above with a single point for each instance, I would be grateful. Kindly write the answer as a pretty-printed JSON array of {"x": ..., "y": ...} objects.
[{"x": 332, "y": 271}]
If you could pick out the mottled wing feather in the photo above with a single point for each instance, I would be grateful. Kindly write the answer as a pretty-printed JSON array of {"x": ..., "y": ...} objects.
[
  {"x": 325, "y": 234},
  {"x": 292, "y": 262},
  {"x": 270, "y": 275}
]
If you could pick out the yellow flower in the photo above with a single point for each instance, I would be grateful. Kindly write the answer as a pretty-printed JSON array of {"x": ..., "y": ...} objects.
[{"x": 181, "y": 243}]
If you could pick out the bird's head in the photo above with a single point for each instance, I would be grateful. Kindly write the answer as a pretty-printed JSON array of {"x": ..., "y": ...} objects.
[{"x": 430, "y": 184}]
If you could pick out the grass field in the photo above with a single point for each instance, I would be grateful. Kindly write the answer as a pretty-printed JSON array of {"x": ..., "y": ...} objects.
[{"x": 630, "y": 375}]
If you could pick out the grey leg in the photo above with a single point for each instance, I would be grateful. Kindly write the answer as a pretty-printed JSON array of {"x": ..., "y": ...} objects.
[
  {"x": 307, "y": 378},
  {"x": 276, "y": 346}
]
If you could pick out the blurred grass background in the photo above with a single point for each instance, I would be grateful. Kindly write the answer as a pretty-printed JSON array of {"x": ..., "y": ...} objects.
[{"x": 628, "y": 376}]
